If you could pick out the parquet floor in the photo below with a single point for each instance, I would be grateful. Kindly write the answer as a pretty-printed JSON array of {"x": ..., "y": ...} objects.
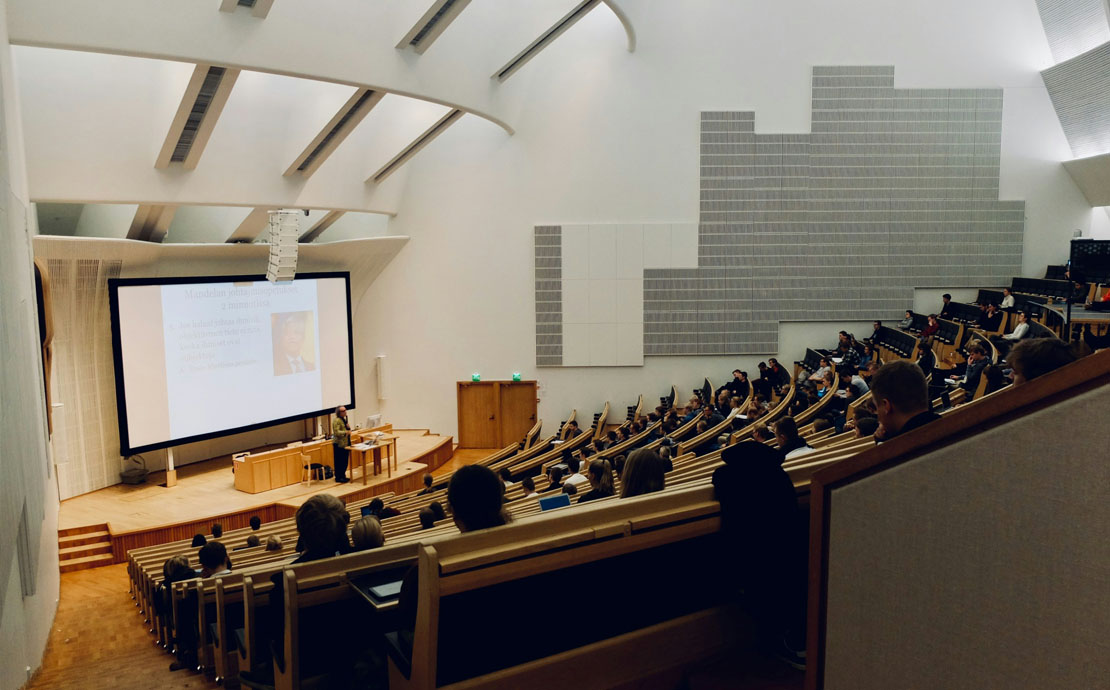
[{"x": 99, "y": 640}]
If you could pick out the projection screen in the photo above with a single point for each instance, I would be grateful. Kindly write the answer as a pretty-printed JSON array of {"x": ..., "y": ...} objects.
[{"x": 202, "y": 357}]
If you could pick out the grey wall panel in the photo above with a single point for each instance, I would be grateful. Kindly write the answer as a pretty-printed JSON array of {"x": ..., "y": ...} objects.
[
  {"x": 549, "y": 295},
  {"x": 1073, "y": 26},
  {"x": 1080, "y": 92}
]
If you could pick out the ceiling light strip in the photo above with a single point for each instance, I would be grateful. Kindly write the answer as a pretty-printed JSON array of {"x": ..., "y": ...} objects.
[{"x": 412, "y": 149}]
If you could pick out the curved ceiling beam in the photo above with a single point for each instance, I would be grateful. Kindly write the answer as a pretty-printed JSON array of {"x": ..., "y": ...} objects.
[
  {"x": 625, "y": 22},
  {"x": 192, "y": 32},
  {"x": 434, "y": 22}
]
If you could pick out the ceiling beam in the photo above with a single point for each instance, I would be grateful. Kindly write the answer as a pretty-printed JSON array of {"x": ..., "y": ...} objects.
[
  {"x": 151, "y": 222},
  {"x": 200, "y": 108},
  {"x": 260, "y": 8},
  {"x": 412, "y": 149},
  {"x": 251, "y": 227},
  {"x": 334, "y": 132},
  {"x": 434, "y": 22},
  {"x": 321, "y": 225},
  {"x": 546, "y": 38}
]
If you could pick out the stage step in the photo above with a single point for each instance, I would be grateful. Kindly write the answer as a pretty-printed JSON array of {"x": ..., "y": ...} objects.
[
  {"x": 84, "y": 547},
  {"x": 70, "y": 564}
]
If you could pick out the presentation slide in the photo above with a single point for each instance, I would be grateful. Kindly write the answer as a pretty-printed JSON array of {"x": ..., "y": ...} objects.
[{"x": 197, "y": 359}]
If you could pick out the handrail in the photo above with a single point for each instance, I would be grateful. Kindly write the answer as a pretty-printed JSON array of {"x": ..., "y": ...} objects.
[
  {"x": 826, "y": 400},
  {"x": 992, "y": 411},
  {"x": 599, "y": 428},
  {"x": 708, "y": 434}
]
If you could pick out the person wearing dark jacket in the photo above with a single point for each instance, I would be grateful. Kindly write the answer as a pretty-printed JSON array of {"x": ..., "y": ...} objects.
[
  {"x": 767, "y": 545},
  {"x": 901, "y": 399}
]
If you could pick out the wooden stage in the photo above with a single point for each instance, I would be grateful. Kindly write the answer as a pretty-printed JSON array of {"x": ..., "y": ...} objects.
[{"x": 148, "y": 514}]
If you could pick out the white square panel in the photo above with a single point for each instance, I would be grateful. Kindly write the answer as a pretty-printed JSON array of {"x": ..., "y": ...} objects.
[
  {"x": 630, "y": 301},
  {"x": 576, "y": 345},
  {"x": 603, "y": 251},
  {"x": 657, "y": 246},
  {"x": 603, "y": 301},
  {"x": 630, "y": 344},
  {"x": 576, "y": 301},
  {"x": 684, "y": 245},
  {"x": 630, "y": 251},
  {"x": 576, "y": 251},
  {"x": 603, "y": 344}
]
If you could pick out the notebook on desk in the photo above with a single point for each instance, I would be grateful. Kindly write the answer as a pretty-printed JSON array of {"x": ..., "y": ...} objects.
[{"x": 551, "y": 502}]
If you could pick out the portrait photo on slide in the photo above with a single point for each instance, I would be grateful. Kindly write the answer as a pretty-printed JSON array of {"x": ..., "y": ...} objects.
[{"x": 294, "y": 342}]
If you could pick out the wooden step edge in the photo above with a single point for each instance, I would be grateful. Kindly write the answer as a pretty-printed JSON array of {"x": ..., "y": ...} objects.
[
  {"x": 72, "y": 531},
  {"x": 95, "y": 536},
  {"x": 70, "y": 564},
  {"x": 87, "y": 549}
]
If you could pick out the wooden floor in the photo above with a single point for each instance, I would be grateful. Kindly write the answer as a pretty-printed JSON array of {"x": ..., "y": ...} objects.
[
  {"x": 206, "y": 488},
  {"x": 99, "y": 640}
]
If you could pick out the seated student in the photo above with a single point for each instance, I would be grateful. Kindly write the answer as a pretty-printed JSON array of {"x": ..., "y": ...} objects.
[
  {"x": 643, "y": 473},
  {"x": 991, "y": 319},
  {"x": 427, "y": 518},
  {"x": 217, "y": 530},
  {"x": 693, "y": 409},
  {"x": 611, "y": 438},
  {"x": 199, "y": 540},
  {"x": 822, "y": 423},
  {"x": 379, "y": 510},
  {"x": 428, "y": 479},
  {"x": 256, "y": 523},
  {"x": 866, "y": 426},
  {"x": 856, "y": 381},
  {"x": 931, "y": 329},
  {"x": 601, "y": 481},
  {"x": 273, "y": 543},
  {"x": 823, "y": 368},
  {"x": 570, "y": 489},
  {"x": 1007, "y": 299},
  {"x": 780, "y": 377},
  {"x": 761, "y": 433},
  {"x": 367, "y": 534},
  {"x": 575, "y": 478},
  {"x": 946, "y": 306},
  {"x": 1038, "y": 356},
  {"x": 876, "y": 326},
  {"x": 529, "y": 486},
  {"x": 618, "y": 464},
  {"x": 213, "y": 559},
  {"x": 790, "y": 443},
  {"x": 738, "y": 386},
  {"x": 1021, "y": 331},
  {"x": 906, "y": 322},
  {"x": 762, "y": 385},
  {"x": 572, "y": 430},
  {"x": 177, "y": 569},
  {"x": 252, "y": 540},
  {"x": 322, "y": 526},
  {"x": 901, "y": 399},
  {"x": 976, "y": 362},
  {"x": 476, "y": 499},
  {"x": 867, "y": 357},
  {"x": 665, "y": 453},
  {"x": 506, "y": 478},
  {"x": 437, "y": 510},
  {"x": 554, "y": 480}
]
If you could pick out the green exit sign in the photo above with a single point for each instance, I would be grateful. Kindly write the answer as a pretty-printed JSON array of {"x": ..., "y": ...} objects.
[
  {"x": 516, "y": 375},
  {"x": 475, "y": 377}
]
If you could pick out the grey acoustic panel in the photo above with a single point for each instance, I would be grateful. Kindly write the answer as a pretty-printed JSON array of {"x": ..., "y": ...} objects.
[
  {"x": 1080, "y": 92},
  {"x": 1073, "y": 26},
  {"x": 549, "y": 295}
]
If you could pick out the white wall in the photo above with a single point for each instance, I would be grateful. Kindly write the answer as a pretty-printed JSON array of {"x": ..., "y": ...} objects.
[
  {"x": 608, "y": 136},
  {"x": 28, "y": 576}
]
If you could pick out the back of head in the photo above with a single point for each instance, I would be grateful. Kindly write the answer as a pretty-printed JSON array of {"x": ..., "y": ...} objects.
[
  {"x": 199, "y": 540},
  {"x": 664, "y": 452},
  {"x": 760, "y": 432},
  {"x": 428, "y": 480},
  {"x": 427, "y": 518},
  {"x": 643, "y": 473},
  {"x": 475, "y": 496},
  {"x": 217, "y": 531},
  {"x": 437, "y": 510},
  {"x": 322, "y": 524},
  {"x": 253, "y": 540},
  {"x": 273, "y": 543},
  {"x": 573, "y": 464},
  {"x": 213, "y": 555},
  {"x": 866, "y": 426},
  {"x": 556, "y": 475},
  {"x": 1038, "y": 356},
  {"x": 377, "y": 506},
  {"x": 366, "y": 533},
  {"x": 902, "y": 383},
  {"x": 505, "y": 474},
  {"x": 570, "y": 489},
  {"x": 820, "y": 424},
  {"x": 601, "y": 475},
  {"x": 528, "y": 484},
  {"x": 256, "y": 523},
  {"x": 177, "y": 569},
  {"x": 787, "y": 428}
]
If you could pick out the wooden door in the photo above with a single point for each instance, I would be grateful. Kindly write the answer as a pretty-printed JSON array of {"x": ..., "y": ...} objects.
[
  {"x": 518, "y": 410},
  {"x": 478, "y": 411}
]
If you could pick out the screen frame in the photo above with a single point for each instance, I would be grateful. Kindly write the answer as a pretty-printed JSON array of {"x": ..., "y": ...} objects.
[{"x": 114, "y": 284}]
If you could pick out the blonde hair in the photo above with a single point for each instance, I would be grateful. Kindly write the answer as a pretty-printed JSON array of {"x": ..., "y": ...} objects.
[
  {"x": 367, "y": 534},
  {"x": 273, "y": 543}
]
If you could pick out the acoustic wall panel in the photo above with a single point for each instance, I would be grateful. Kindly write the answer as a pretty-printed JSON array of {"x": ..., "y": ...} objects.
[
  {"x": 893, "y": 189},
  {"x": 549, "y": 296},
  {"x": 1080, "y": 92},
  {"x": 1073, "y": 26}
]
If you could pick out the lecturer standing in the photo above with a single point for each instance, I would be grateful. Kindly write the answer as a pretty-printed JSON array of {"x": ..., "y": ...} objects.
[{"x": 341, "y": 439}]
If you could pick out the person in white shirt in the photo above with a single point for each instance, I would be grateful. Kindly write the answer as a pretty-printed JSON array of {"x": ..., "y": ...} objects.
[
  {"x": 575, "y": 479},
  {"x": 820, "y": 373},
  {"x": 1020, "y": 332},
  {"x": 529, "y": 487},
  {"x": 790, "y": 443},
  {"x": 1007, "y": 299},
  {"x": 213, "y": 559},
  {"x": 506, "y": 478}
]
